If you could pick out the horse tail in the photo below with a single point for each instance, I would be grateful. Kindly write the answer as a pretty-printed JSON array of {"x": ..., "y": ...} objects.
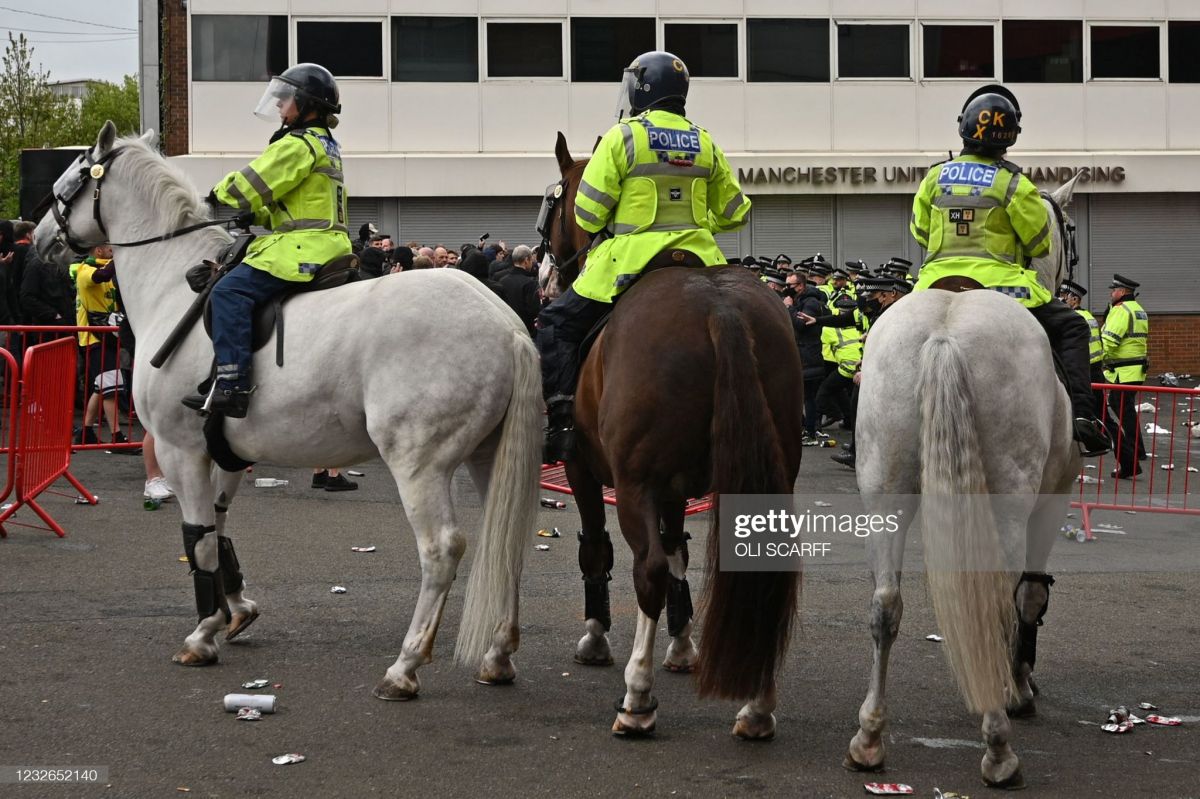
[
  {"x": 972, "y": 594},
  {"x": 509, "y": 512},
  {"x": 748, "y": 616}
]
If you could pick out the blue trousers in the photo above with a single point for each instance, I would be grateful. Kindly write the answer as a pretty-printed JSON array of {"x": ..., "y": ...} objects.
[{"x": 234, "y": 299}]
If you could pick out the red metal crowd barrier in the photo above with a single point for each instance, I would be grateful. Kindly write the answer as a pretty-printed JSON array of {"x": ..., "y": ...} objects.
[
  {"x": 554, "y": 478},
  {"x": 42, "y": 441},
  {"x": 1160, "y": 431},
  {"x": 100, "y": 370}
]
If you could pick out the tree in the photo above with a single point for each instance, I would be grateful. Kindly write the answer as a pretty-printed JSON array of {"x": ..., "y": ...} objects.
[
  {"x": 105, "y": 101},
  {"x": 30, "y": 116}
]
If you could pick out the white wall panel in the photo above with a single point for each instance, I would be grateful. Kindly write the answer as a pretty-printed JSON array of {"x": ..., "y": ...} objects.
[
  {"x": 720, "y": 107},
  {"x": 520, "y": 116},
  {"x": 1123, "y": 9},
  {"x": 612, "y": 8},
  {"x": 1139, "y": 124},
  {"x": 238, "y": 6},
  {"x": 872, "y": 9},
  {"x": 363, "y": 121},
  {"x": 699, "y": 8},
  {"x": 789, "y": 117},
  {"x": 223, "y": 121},
  {"x": 1042, "y": 9},
  {"x": 592, "y": 111},
  {"x": 421, "y": 8},
  {"x": 938, "y": 105},
  {"x": 957, "y": 9},
  {"x": 1052, "y": 116},
  {"x": 327, "y": 9},
  {"x": 433, "y": 117},
  {"x": 1183, "y": 116},
  {"x": 874, "y": 116}
]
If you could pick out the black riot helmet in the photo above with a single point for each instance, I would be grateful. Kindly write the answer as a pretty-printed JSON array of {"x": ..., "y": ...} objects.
[
  {"x": 313, "y": 88},
  {"x": 654, "y": 80},
  {"x": 990, "y": 118}
]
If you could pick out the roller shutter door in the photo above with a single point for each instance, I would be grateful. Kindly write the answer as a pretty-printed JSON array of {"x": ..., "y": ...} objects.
[
  {"x": 457, "y": 221},
  {"x": 363, "y": 210},
  {"x": 1151, "y": 238},
  {"x": 874, "y": 228},
  {"x": 799, "y": 226}
]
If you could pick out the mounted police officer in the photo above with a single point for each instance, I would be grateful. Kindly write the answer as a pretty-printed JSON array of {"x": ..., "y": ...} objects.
[
  {"x": 976, "y": 215},
  {"x": 655, "y": 182},
  {"x": 295, "y": 188}
]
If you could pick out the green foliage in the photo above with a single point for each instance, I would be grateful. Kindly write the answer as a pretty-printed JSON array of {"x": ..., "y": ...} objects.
[{"x": 31, "y": 115}]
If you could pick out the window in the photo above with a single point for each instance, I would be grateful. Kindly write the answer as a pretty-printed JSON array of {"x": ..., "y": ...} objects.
[
  {"x": 873, "y": 51},
  {"x": 709, "y": 49},
  {"x": 1124, "y": 51},
  {"x": 959, "y": 51},
  {"x": 1183, "y": 43},
  {"x": 524, "y": 50},
  {"x": 435, "y": 49},
  {"x": 788, "y": 50},
  {"x": 1043, "y": 51},
  {"x": 347, "y": 49},
  {"x": 601, "y": 47},
  {"x": 238, "y": 47}
]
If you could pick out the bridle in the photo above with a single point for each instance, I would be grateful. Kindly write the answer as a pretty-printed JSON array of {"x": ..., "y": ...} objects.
[
  {"x": 552, "y": 202},
  {"x": 67, "y": 190},
  {"x": 1066, "y": 230}
]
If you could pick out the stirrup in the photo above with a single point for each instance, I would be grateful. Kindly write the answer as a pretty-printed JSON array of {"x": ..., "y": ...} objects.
[{"x": 1092, "y": 437}]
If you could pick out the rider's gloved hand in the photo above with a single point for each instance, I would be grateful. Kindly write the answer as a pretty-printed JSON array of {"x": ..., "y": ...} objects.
[
  {"x": 211, "y": 199},
  {"x": 244, "y": 219}
]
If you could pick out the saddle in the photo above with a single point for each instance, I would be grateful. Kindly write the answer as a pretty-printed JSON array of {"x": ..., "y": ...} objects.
[
  {"x": 268, "y": 317},
  {"x": 670, "y": 257}
]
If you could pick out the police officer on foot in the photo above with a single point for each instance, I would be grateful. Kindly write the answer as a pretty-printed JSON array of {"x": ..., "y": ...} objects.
[
  {"x": 1072, "y": 294},
  {"x": 1124, "y": 338},
  {"x": 295, "y": 189},
  {"x": 659, "y": 182},
  {"x": 976, "y": 215}
]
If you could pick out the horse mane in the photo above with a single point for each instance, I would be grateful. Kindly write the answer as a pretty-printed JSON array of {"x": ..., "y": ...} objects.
[{"x": 169, "y": 190}]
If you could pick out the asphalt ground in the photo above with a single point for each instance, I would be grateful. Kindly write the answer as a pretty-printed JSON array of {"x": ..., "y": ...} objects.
[{"x": 88, "y": 624}]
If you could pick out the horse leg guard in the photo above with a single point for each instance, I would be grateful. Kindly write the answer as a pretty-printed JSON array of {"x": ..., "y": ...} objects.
[
  {"x": 1032, "y": 603},
  {"x": 231, "y": 570},
  {"x": 208, "y": 585},
  {"x": 679, "y": 606},
  {"x": 595, "y": 586},
  {"x": 593, "y": 648}
]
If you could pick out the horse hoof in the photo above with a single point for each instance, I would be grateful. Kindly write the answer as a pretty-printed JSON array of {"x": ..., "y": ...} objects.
[
  {"x": 640, "y": 725},
  {"x": 496, "y": 671},
  {"x": 391, "y": 690},
  {"x": 754, "y": 727},
  {"x": 1025, "y": 709},
  {"x": 593, "y": 650},
  {"x": 861, "y": 757},
  {"x": 239, "y": 622},
  {"x": 1013, "y": 782},
  {"x": 678, "y": 668},
  {"x": 680, "y": 660},
  {"x": 190, "y": 657}
]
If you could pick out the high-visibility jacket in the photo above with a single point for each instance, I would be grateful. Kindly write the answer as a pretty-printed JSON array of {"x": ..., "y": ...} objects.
[
  {"x": 296, "y": 190},
  {"x": 93, "y": 301},
  {"x": 981, "y": 218},
  {"x": 662, "y": 183},
  {"x": 848, "y": 349},
  {"x": 1125, "y": 337},
  {"x": 1095, "y": 348}
]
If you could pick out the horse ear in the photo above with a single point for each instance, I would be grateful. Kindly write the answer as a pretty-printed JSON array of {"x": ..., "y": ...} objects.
[
  {"x": 1063, "y": 194},
  {"x": 150, "y": 137},
  {"x": 565, "y": 161},
  {"x": 106, "y": 137},
  {"x": 597, "y": 144}
]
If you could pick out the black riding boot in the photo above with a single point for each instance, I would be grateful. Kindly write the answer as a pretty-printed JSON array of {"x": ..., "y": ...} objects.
[
  {"x": 560, "y": 431},
  {"x": 1069, "y": 334},
  {"x": 229, "y": 400}
]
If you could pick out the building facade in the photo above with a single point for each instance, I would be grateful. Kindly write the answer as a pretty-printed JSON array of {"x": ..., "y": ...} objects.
[{"x": 830, "y": 111}]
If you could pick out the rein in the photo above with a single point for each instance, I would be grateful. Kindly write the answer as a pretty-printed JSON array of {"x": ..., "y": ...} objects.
[{"x": 66, "y": 190}]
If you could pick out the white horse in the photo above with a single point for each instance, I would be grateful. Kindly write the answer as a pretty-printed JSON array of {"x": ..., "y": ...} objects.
[
  {"x": 427, "y": 370},
  {"x": 959, "y": 402}
]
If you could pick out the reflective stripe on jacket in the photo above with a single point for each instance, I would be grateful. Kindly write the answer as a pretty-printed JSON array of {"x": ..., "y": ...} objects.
[
  {"x": 1125, "y": 337},
  {"x": 1095, "y": 348},
  {"x": 661, "y": 183},
  {"x": 976, "y": 217},
  {"x": 297, "y": 191}
]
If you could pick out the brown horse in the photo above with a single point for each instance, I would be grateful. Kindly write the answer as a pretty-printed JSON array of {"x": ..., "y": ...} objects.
[{"x": 694, "y": 386}]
